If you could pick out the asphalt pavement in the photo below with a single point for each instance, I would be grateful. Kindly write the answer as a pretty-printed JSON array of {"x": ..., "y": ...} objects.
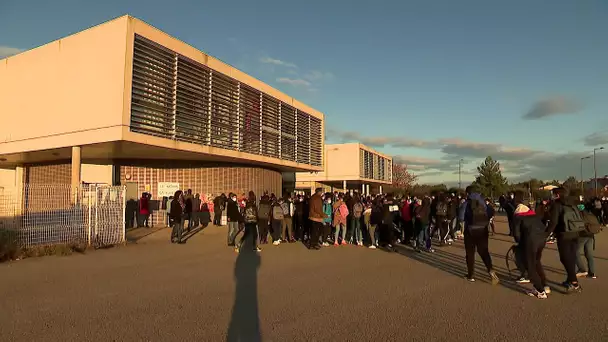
[{"x": 203, "y": 291}]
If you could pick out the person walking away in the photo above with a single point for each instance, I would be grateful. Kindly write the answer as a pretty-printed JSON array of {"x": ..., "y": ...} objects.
[
  {"x": 476, "y": 234},
  {"x": 586, "y": 243},
  {"x": 522, "y": 236},
  {"x": 287, "y": 227},
  {"x": 233, "y": 216},
  {"x": 441, "y": 219},
  {"x": 176, "y": 212},
  {"x": 251, "y": 223},
  {"x": 169, "y": 201},
  {"x": 356, "y": 220},
  {"x": 204, "y": 214},
  {"x": 316, "y": 216},
  {"x": 328, "y": 210},
  {"x": 510, "y": 210},
  {"x": 530, "y": 235},
  {"x": 566, "y": 223},
  {"x": 276, "y": 219},
  {"x": 144, "y": 210},
  {"x": 264, "y": 218},
  {"x": 422, "y": 213},
  {"x": 340, "y": 214},
  {"x": 491, "y": 214},
  {"x": 462, "y": 206}
]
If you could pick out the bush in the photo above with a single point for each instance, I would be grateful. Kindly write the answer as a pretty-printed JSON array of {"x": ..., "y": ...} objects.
[{"x": 9, "y": 245}]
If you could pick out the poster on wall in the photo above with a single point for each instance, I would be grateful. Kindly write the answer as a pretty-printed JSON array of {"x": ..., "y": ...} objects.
[{"x": 166, "y": 189}]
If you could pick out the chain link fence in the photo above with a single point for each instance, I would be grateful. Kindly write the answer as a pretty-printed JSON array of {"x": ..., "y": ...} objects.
[{"x": 59, "y": 214}]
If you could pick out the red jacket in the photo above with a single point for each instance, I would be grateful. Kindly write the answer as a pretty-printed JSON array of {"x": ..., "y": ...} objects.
[{"x": 406, "y": 212}]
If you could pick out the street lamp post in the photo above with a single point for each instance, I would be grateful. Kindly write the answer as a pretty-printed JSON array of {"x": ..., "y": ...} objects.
[
  {"x": 459, "y": 174},
  {"x": 595, "y": 168},
  {"x": 582, "y": 182}
]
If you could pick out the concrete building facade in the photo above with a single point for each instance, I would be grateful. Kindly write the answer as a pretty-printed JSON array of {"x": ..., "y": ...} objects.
[
  {"x": 123, "y": 103},
  {"x": 349, "y": 167}
]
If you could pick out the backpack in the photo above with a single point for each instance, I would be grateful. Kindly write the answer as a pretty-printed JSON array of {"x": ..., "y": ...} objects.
[
  {"x": 592, "y": 224},
  {"x": 479, "y": 215},
  {"x": 264, "y": 211},
  {"x": 277, "y": 212},
  {"x": 250, "y": 215},
  {"x": 343, "y": 210},
  {"x": 573, "y": 220},
  {"x": 357, "y": 210},
  {"x": 442, "y": 209}
]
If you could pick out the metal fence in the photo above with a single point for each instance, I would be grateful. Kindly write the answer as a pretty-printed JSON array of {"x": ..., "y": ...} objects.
[{"x": 60, "y": 214}]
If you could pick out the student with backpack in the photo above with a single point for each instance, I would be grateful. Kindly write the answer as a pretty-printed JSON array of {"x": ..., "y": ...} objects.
[
  {"x": 250, "y": 214},
  {"x": 566, "y": 223},
  {"x": 276, "y": 221},
  {"x": 586, "y": 243},
  {"x": 476, "y": 235},
  {"x": 356, "y": 220}
]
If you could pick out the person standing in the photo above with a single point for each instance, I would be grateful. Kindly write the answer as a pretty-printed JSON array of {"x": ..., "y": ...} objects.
[
  {"x": 177, "y": 216},
  {"x": 476, "y": 234},
  {"x": 218, "y": 207},
  {"x": 264, "y": 218},
  {"x": 276, "y": 221},
  {"x": 340, "y": 214},
  {"x": 233, "y": 217},
  {"x": 316, "y": 216},
  {"x": 389, "y": 211},
  {"x": 188, "y": 198},
  {"x": 356, "y": 220},
  {"x": 251, "y": 221},
  {"x": 328, "y": 210},
  {"x": 423, "y": 217},
  {"x": 287, "y": 226},
  {"x": 441, "y": 218},
  {"x": 144, "y": 210},
  {"x": 566, "y": 224}
]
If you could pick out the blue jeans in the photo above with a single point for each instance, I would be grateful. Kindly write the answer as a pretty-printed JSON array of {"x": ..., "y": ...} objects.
[
  {"x": 177, "y": 231},
  {"x": 423, "y": 239},
  {"x": 233, "y": 229},
  {"x": 343, "y": 226},
  {"x": 357, "y": 234},
  {"x": 586, "y": 245}
]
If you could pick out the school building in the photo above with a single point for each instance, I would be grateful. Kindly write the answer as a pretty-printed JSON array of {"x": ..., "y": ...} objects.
[
  {"x": 348, "y": 167},
  {"x": 123, "y": 103}
]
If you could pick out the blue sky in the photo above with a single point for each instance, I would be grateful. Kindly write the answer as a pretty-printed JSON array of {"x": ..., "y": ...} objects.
[{"x": 429, "y": 82}]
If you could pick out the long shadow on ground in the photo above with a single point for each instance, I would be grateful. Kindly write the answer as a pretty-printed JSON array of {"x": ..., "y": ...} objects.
[{"x": 245, "y": 320}]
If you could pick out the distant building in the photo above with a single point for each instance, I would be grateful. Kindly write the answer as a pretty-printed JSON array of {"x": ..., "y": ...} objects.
[
  {"x": 602, "y": 184},
  {"x": 349, "y": 167}
]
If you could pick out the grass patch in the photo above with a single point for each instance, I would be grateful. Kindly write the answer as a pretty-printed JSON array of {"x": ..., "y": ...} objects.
[{"x": 10, "y": 248}]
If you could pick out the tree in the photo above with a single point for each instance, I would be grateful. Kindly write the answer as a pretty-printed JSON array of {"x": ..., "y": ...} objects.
[
  {"x": 402, "y": 178},
  {"x": 571, "y": 184},
  {"x": 490, "y": 180}
]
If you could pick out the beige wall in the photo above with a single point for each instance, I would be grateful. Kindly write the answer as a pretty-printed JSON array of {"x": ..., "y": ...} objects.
[
  {"x": 71, "y": 85},
  {"x": 7, "y": 178},
  {"x": 91, "y": 173}
]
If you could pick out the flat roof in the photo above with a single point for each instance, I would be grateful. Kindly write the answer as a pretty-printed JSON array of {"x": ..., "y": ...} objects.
[{"x": 364, "y": 147}]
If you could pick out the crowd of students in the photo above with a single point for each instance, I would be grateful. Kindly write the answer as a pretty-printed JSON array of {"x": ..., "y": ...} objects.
[{"x": 337, "y": 219}]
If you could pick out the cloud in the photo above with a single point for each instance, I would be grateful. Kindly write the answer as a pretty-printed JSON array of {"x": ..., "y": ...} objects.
[
  {"x": 273, "y": 61},
  {"x": 296, "y": 82},
  {"x": 7, "y": 51},
  {"x": 596, "y": 139},
  {"x": 316, "y": 75},
  {"x": 557, "y": 105},
  {"x": 517, "y": 163}
]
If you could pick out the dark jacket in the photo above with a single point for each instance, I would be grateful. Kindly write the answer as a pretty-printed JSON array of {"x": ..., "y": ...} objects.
[
  {"x": 176, "y": 210},
  {"x": 468, "y": 212},
  {"x": 527, "y": 225},
  {"x": 453, "y": 209},
  {"x": 233, "y": 212},
  {"x": 422, "y": 213},
  {"x": 557, "y": 226},
  {"x": 376, "y": 215}
]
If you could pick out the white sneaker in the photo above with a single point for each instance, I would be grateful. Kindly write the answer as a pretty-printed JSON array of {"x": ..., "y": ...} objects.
[
  {"x": 539, "y": 295},
  {"x": 325, "y": 244},
  {"x": 522, "y": 280},
  {"x": 372, "y": 247},
  {"x": 581, "y": 274},
  {"x": 276, "y": 243},
  {"x": 547, "y": 289},
  {"x": 449, "y": 240}
]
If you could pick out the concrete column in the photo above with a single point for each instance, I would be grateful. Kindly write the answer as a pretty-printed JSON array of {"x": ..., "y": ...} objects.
[
  {"x": 344, "y": 186},
  {"x": 380, "y": 189},
  {"x": 367, "y": 190},
  {"x": 362, "y": 189},
  {"x": 76, "y": 165}
]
